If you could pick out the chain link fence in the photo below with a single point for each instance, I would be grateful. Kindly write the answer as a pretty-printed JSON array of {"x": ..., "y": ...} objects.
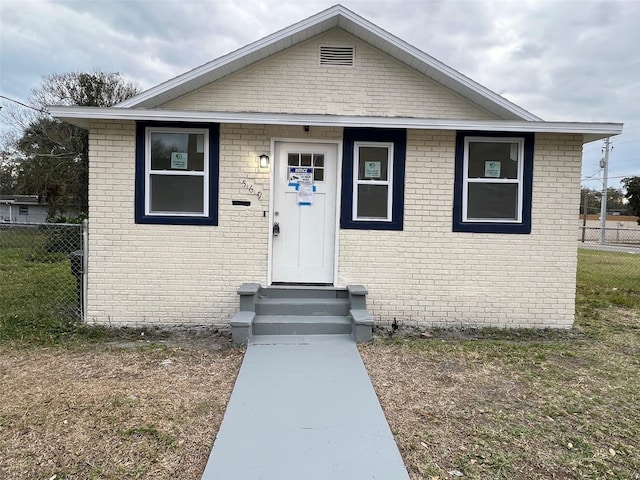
[
  {"x": 609, "y": 259},
  {"x": 42, "y": 272},
  {"x": 43, "y": 268},
  {"x": 613, "y": 235}
]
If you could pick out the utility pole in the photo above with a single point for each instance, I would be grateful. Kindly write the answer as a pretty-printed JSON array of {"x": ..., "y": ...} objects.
[{"x": 604, "y": 164}]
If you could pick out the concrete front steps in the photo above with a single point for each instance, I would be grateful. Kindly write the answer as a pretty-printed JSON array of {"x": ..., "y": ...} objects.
[{"x": 301, "y": 310}]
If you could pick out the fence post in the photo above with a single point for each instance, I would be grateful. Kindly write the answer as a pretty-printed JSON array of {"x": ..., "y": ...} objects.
[
  {"x": 584, "y": 217},
  {"x": 85, "y": 263}
]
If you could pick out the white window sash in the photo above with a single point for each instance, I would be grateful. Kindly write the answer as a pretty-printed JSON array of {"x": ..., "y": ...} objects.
[
  {"x": 148, "y": 172},
  {"x": 505, "y": 181},
  {"x": 357, "y": 182}
]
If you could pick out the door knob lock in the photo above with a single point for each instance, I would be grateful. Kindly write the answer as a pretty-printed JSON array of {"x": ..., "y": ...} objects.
[{"x": 276, "y": 229}]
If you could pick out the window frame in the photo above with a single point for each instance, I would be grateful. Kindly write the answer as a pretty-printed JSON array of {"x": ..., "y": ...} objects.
[
  {"x": 144, "y": 172},
  {"x": 524, "y": 181},
  {"x": 376, "y": 136},
  {"x": 357, "y": 182},
  {"x": 518, "y": 181}
]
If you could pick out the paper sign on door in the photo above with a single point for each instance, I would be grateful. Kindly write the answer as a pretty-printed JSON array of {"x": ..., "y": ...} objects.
[
  {"x": 300, "y": 175},
  {"x": 305, "y": 194}
]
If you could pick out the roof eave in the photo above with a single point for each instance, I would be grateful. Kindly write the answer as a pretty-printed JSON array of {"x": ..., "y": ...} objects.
[{"x": 82, "y": 117}]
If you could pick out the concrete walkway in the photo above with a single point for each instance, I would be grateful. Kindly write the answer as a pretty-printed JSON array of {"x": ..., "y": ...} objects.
[{"x": 303, "y": 407}]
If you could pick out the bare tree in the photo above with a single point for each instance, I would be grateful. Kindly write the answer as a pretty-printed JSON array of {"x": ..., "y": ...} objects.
[{"x": 48, "y": 157}]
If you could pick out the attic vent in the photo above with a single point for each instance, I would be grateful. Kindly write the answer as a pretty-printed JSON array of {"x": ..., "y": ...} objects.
[{"x": 336, "y": 56}]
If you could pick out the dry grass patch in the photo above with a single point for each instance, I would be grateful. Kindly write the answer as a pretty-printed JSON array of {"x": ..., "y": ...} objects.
[
  {"x": 105, "y": 412},
  {"x": 524, "y": 404},
  {"x": 560, "y": 409}
]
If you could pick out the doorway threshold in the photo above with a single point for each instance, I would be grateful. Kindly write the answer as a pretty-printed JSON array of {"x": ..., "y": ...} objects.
[{"x": 301, "y": 285}]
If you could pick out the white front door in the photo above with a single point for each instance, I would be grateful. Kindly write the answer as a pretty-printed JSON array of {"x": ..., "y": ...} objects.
[{"x": 304, "y": 212}]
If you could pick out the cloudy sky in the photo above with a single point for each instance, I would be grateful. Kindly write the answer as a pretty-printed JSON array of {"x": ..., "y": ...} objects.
[{"x": 573, "y": 60}]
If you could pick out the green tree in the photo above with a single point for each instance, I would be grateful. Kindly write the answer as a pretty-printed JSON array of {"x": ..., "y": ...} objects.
[
  {"x": 7, "y": 174},
  {"x": 632, "y": 188},
  {"x": 615, "y": 201},
  {"x": 49, "y": 157},
  {"x": 592, "y": 201}
]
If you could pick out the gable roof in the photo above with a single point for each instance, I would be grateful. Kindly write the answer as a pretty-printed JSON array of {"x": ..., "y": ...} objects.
[{"x": 336, "y": 16}]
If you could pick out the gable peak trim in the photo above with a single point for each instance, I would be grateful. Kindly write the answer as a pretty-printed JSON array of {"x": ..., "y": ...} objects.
[{"x": 341, "y": 17}]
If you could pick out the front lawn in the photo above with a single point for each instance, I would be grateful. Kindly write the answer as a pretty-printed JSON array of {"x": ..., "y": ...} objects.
[
  {"x": 78, "y": 402},
  {"x": 527, "y": 404}
]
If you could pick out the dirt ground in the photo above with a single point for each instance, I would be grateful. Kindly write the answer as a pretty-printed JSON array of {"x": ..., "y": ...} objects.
[
  {"x": 136, "y": 410},
  {"x": 542, "y": 408}
]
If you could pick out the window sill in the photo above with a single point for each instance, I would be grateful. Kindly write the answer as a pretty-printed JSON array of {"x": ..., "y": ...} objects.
[
  {"x": 371, "y": 225},
  {"x": 492, "y": 227},
  {"x": 175, "y": 220}
]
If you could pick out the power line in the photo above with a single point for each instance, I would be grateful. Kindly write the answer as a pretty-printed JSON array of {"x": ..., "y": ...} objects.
[
  {"x": 599, "y": 180},
  {"x": 24, "y": 105},
  {"x": 628, "y": 142}
]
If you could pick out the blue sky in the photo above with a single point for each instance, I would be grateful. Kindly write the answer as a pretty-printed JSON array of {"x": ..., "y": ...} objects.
[{"x": 571, "y": 60}]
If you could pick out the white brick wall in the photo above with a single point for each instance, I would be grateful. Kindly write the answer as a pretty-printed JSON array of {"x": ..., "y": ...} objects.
[
  {"x": 429, "y": 274},
  {"x": 294, "y": 82},
  {"x": 169, "y": 274}
]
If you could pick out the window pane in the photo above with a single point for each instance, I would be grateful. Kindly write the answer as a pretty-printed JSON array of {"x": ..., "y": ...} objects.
[
  {"x": 177, "y": 151},
  {"x": 184, "y": 194},
  {"x": 373, "y": 163},
  {"x": 293, "y": 160},
  {"x": 318, "y": 160},
  {"x": 492, "y": 201},
  {"x": 318, "y": 174},
  {"x": 305, "y": 160},
  {"x": 372, "y": 201},
  {"x": 493, "y": 160}
]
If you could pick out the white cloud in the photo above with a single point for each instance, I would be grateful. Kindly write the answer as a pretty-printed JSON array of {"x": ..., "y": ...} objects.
[{"x": 559, "y": 59}]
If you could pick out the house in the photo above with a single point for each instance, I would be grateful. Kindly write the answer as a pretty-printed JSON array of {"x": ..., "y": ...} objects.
[
  {"x": 22, "y": 209},
  {"x": 327, "y": 154}
]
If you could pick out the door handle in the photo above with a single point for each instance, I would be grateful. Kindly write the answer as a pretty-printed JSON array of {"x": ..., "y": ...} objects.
[{"x": 276, "y": 229}]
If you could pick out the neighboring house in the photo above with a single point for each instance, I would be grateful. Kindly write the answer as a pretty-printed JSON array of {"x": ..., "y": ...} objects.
[
  {"x": 382, "y": 167},
  {"x": 22, "y": 209}
]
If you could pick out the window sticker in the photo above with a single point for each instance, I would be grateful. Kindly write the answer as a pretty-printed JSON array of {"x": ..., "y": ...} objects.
[
  {"x": 372, "y": 169},
  {"x": 179, "y": 160},
  {"x": 492, "y": 169}
]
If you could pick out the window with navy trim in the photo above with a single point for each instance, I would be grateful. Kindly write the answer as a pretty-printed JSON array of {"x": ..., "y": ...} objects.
[
  {"x": 493, "y": 182},
  {"x": 177, "y": 173},
  {"x": 373, "y": 162}
]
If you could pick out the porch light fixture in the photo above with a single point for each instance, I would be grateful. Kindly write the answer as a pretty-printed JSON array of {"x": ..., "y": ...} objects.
[{"x": 264, "y": 161}]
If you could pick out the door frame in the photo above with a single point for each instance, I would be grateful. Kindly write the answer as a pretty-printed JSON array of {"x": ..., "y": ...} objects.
[{"x": 272, "y": 154}]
